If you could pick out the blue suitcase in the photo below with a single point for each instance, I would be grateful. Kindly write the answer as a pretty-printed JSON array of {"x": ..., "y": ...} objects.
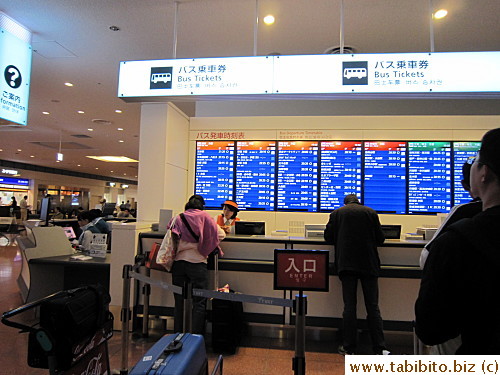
[{"x": 177, "y": 354}]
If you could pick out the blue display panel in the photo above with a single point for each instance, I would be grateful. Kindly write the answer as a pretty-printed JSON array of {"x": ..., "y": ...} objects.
[
  {"x": 255, "y": 174},
  {"x": 429, "y": 177},
  {"x": 214, "y": 172},
  {"x": 461, "y": 152},
  {"x": 297, "y": 176},
  {"x": 340, "y": 173},
  {"x": 385, "y": 176}
]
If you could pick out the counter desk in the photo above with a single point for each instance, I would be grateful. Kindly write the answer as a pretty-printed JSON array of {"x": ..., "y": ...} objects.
[
  {"x": 47, "y": 266},
  {"x": 247, "y": 266}
]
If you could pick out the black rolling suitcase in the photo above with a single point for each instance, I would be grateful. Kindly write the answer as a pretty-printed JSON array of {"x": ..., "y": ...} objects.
[
  {"x": 177, "y": 354},
  {"x": 227, "y": 321}
]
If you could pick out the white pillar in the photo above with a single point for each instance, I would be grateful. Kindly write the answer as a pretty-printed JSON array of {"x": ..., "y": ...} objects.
[{"x": 163, "y": 156}]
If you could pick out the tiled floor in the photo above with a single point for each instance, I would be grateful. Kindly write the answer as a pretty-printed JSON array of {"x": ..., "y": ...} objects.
[{"x": 256, "y": 355}]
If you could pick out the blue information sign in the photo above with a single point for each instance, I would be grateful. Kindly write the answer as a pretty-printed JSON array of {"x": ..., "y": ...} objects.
[
  {"x": 429, "y": 177},
  {"x": 214, "y": 172},
  {"x": 297, "y": 176},
  {"x": 461, "y": 152},
  {"x": 255, "y": 174},
  {"x": 340, "y": 173},
  {"x": 385, "y": 176}
]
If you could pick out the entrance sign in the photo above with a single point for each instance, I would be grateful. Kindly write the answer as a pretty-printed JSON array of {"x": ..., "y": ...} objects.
[
  {"x": 301, "y": 270},
  {"x": 15, "y": 69},
  {"x": 344, "y": 75}
]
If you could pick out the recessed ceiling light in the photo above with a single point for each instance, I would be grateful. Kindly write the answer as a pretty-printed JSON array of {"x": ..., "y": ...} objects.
[
  {"x": 58, "y": 161},
  {"x": 1, "y": 149},
  {"x": 118, "y": 111},
  {"x": 90, "y": 129},
  {"x": 78, "y": 165},
  {"x": 96, "y": 168},
  {"x": 69, "y": 84},
  {"x": 114, "y": 159},
  {"x": 124, "y": 174},
  {"x": 269, "y": 19},
  {"x": 46, "y": 113},
  {"x": 441, "y": 13},
  {"x": 81, "y": 112},
  {"x": 121, "y": 141},
  {"x": 19, "y": 150},
  {"x": 32, "y": 156},
  {"x": 111, "y": 171},
  {"x": 119, "y": 129}
]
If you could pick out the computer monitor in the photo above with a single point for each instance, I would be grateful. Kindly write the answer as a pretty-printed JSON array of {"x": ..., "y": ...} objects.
[
  {"x": 45, "y": 211},
  {"x": 108, "y": 209},
  {"x": 250, "y": 227},
  {"x": 391, "y": 232},
  {"x": 69, "y": 232}
]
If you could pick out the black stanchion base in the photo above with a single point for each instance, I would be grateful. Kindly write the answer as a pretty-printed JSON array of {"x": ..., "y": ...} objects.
[{"x": 299, "y": 365}]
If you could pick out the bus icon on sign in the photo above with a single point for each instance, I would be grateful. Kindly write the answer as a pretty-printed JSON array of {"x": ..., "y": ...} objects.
[
  {"x": 355, "y": 72},
  {"x": 161, "y": 77}
]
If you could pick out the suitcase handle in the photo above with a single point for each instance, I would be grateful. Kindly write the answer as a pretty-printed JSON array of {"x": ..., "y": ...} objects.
[{"x": 174, "y": 345}]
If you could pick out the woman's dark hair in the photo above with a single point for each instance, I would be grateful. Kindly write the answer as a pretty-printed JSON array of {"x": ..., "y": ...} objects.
[
  {"x": 195, "y": 202},
  {"x": 85, "y": 215},
  {"x": 233, "y": 209}
]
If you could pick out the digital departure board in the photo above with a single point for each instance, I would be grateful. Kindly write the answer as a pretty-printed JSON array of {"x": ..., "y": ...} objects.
[
  {"x": 385, "y": 176},
  {"x": 214, "y": 172},
  {"x": 429, "y": 177},
  {"x": 297, "y": 178},
  {"x": 255, "y": 174},
  {"x": 340, "y": 173},
  {"x": 461, "y": 152}
]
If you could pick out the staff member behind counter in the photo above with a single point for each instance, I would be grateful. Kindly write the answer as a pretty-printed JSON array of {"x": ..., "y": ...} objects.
[{"x": 228, "y": 218}]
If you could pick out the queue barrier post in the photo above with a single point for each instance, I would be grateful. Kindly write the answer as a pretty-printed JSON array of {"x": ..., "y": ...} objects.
[
  {"x": 187, "y": 295},
  {"x": 125, "y": 317},
  {"x": 146, "y": 293},
  {"x": 300, "y": 309}
]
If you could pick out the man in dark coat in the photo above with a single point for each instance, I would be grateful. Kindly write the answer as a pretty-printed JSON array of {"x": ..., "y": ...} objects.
[
  {"x": 461, "y": 279},
  {"x": 355, "y": 232}
]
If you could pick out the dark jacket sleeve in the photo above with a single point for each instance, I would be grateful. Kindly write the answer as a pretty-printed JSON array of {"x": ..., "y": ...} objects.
[
  {"x": 379, "y": 234},
  {"x": 329, "y": 231},
  {"x": 437, "y": 308}
]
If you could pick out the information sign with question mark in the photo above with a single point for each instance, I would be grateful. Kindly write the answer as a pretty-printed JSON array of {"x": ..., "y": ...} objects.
[{"x": 13, "y": 76}]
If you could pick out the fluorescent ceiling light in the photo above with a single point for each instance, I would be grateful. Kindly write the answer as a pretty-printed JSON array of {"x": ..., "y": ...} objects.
[{"x": 114, "y": 159}]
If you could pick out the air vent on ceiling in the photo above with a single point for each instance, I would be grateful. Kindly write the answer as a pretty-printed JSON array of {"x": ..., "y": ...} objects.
[
  {"x": 63, "y": 145},
  {"x": 336, "y": 50},
  {"x": 81, "y": 136},
  {"x": 101, "y": 121},
  {"x": 14, "y": 128}
]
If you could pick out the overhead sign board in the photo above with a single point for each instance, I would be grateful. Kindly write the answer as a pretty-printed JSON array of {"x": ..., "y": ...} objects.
[
  {"x": 14, "y": 183},
  {"x": 311, "y": 75},
  {"x": 187, "y": 77},
  {"x": 15, "y": 69},
  {"x": 301, "y": 270}
]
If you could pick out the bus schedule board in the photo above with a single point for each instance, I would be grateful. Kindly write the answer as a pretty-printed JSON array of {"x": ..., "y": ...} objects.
[
  {"x": 214, "y": 172},
  {"x": 429, "y": 177},
  {"x": 385, "y": 176},
  {"x": 461, "y": 152},
  {"x": 255, "y": 174},
  {"x": 340, "y": 172},
  {"x": 297, "y": 178},
  {"x": 301, "y": 270}
]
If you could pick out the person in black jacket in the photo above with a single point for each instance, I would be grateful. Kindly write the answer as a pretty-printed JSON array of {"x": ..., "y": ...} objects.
[
  {"x": 461, "y": 279},
  {"x": 355, "y": 232}
]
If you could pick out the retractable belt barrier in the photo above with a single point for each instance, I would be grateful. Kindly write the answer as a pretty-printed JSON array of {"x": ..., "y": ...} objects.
[{"x": 129, "y": 273}]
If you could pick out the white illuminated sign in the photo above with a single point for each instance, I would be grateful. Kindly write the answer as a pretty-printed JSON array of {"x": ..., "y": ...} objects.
[
  {"x": 216, "y": 76},
  {"x": 15, "y": 69},
  {"x": 12, "y": 172},
  {"x": 344, "y": 75}
]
